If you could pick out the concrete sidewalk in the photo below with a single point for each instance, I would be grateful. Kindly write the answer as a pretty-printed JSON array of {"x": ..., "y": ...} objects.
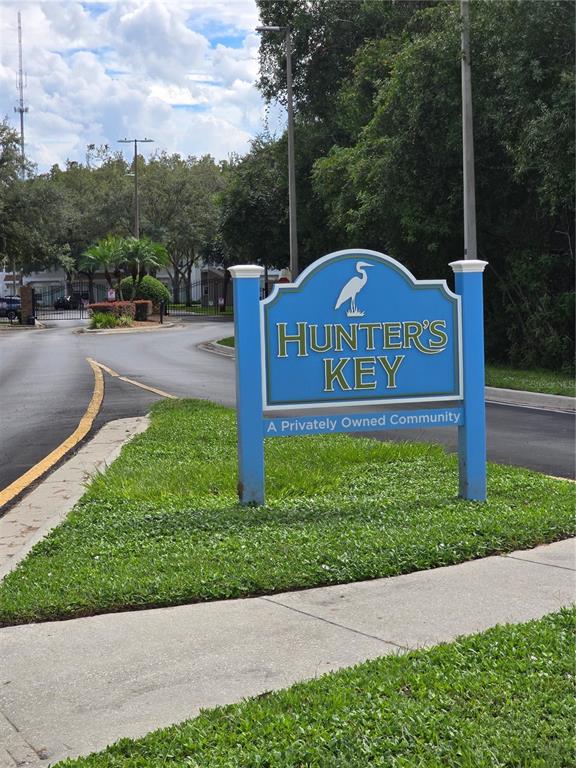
[
  {"x": 48, "y": 504},
  {"x": 71, "y": 687}
]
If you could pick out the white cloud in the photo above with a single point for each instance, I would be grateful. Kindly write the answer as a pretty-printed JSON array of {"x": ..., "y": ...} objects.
[{"x": 180, "y": 71}]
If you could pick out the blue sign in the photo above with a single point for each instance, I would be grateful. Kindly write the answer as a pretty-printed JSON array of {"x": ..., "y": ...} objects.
[{"x": 358, "y": 328}]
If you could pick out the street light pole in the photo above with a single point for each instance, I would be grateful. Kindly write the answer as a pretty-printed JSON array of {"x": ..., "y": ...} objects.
[
  {"x": 136, "y": 200},
  {"x": 467, "y": 137},
  {"x": 291, "y": 162},
  {"x": 292, "y": 218}
]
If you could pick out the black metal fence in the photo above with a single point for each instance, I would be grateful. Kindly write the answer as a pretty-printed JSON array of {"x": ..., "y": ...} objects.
[
  {"x": 66, "y": 302},
  {"x": 206, "y": 298}
]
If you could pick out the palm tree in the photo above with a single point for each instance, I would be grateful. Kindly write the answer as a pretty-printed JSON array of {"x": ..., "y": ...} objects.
[
  {"x": 107, "y": 254},
  {"x": 119, "y": 256},
  {"x": 143, "y": 256}
]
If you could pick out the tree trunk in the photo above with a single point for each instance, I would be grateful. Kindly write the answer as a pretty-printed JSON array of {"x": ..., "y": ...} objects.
[
  {"x": 68, "y": 283},
  {"x": 135, "y": 279},
  {"x": 189, "y": 266},
  {"x": 175, "y": 278},
  {"x": 90, "y": 276},
  {"x": 118, "y": 277}
]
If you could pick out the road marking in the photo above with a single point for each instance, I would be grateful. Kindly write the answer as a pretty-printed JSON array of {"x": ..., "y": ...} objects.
[
  {"x": 116, "y": 375},
  {"x": 84, "y": 426}
]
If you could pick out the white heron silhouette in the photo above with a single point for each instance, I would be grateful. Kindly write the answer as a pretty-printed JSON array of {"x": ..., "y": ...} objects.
[{"x": 352, "y": 289}]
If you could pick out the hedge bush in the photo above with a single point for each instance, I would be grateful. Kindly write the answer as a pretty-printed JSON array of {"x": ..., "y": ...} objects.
[
  {"x": 148, "y": 288},
  {"x": 116, "y": 308}
]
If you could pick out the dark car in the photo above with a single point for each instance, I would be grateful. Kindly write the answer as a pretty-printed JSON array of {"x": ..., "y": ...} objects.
[
  {"x": 68, "y": 302},
  {"x": 10, "y": 306}
]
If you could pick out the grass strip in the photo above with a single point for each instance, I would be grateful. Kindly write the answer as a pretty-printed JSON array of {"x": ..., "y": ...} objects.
[
  {"x": 162, "y": 526},
  {"x": 547, "y": 382},
  {"x": 501, "y": 698}
]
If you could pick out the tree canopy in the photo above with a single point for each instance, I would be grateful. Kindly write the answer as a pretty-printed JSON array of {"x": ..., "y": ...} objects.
[
  {"x": 378, "y": 163},
  {"x": 74, "y": 217},
  {"x": 378, "y": 94}
]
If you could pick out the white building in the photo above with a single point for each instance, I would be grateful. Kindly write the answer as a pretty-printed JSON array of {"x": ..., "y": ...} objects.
[{"x": 54, "y": 280}]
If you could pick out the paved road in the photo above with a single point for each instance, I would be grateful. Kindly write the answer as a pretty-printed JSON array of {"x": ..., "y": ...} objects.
[
  {"x": 525, "y": 437},
  {"x": 46, "y": 385}
]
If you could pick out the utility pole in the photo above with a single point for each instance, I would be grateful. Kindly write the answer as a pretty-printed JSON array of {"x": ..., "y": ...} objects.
[
  {"x": 468, "y": 137},
  {"x": 291, "y": 161},
  {"x": 136, "y": 200},
  {"x": 293, "y": 227},
  {"x": 20, "y": 85}
]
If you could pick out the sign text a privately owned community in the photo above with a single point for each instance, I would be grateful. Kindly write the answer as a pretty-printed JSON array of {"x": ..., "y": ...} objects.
[{"x": 289, "y": 426}]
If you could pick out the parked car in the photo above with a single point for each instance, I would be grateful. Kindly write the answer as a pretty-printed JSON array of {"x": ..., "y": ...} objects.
[
  {"x": 68, "y": 302},
  {"x": 10, "y": 307}
]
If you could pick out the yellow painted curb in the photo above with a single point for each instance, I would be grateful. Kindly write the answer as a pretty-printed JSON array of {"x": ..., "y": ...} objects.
[{"x": 79, "y": 433}]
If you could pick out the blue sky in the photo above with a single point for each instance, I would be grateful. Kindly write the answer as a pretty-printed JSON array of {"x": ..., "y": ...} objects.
[{"x": 180, "y": 71}]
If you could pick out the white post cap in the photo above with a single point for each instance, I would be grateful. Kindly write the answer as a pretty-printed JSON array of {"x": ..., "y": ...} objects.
[
  {"x": 246, "y": 270},
  {"x": 468, "y": 265}
]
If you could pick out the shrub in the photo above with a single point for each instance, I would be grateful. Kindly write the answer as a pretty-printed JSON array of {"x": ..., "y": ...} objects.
[
  {"x": 148, "y": 288},
  {"x": 103, "y": 320},
  {"x": 124, "y": 321},
  {"x": 116, "y": 308}
]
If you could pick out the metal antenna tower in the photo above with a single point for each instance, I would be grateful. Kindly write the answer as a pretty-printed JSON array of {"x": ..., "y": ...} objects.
[{"x": 20, "y": 85}]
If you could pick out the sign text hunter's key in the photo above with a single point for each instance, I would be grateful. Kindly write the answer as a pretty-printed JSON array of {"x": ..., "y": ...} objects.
[{"x": 358, "y": 328}]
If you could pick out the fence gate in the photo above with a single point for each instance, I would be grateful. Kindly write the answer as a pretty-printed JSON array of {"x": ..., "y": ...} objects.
[
  {"x": 58, "y": 303},
  {"x": 206, "y": 298}
]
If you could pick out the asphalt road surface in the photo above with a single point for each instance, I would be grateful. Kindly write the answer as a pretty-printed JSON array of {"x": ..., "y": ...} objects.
[
  {"x": 46, "y": 382},
  {"x": 46, "y": 385}
]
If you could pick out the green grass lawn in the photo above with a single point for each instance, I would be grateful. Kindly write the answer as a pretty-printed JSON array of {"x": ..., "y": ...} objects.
[
  {"x": 501, "y": 698},
  {"x": 196, "y": 307},
  {"x": 162, "y": 526},
  {"x": 549, "y": 382}
]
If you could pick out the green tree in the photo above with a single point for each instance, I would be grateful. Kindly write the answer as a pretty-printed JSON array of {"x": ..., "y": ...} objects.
[
  {"x": 179, "y": 209},
  {"x": 398, "y": 187},
  {"x": 17, "y": 242},
  {"x": 109, "y": 255},
  {"x": 253, "y": 208},
  {"x": 325, "y": 37},
  {"x": 119, "y": 257},
  {"x": 142, "y": 257},
  {"x": 34, "y": 215},
  {"x": 10, "y": 157}
]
